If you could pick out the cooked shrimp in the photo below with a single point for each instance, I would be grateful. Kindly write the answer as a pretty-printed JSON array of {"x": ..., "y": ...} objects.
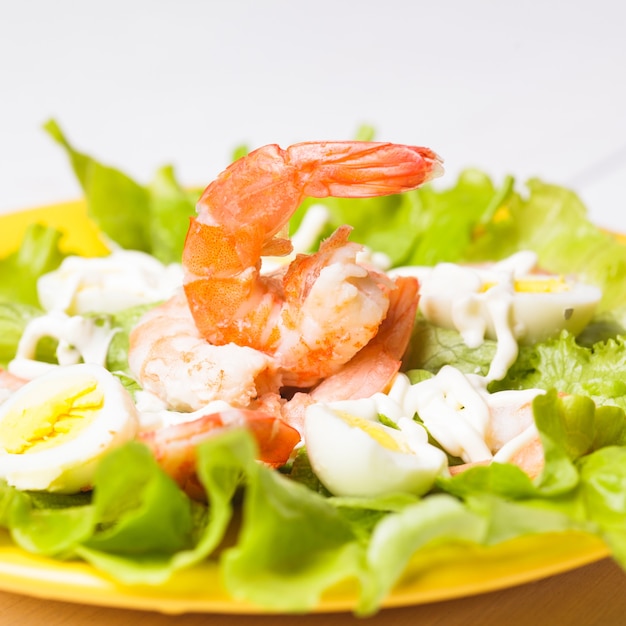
[
  {"x": 374, "y": 367},
  {"x": 174, "y": 447},
  {"x": 525, "y": 451},
  {"x": 325, "y": 307},
  {"x": 242, "y": 336}
]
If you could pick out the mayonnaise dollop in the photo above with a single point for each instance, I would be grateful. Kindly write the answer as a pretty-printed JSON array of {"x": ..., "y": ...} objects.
[
  {"x": 79, "y": 340},
  {"x": 108, "y": 284}
]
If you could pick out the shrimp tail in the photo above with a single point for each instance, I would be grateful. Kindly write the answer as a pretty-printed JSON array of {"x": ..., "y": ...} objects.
[
  {"x": 266, "y": 186},
  {"x": 362, "y": 169}
]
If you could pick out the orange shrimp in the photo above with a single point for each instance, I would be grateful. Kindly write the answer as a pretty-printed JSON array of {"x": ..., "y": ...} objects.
[
  {"x": 314, "y": 317},
  {"x": 174, "y": 447},
  {"x": 528, "y": 457},
  {"x": 370, "y": 371},
  {"x": 373, "y": 368}
]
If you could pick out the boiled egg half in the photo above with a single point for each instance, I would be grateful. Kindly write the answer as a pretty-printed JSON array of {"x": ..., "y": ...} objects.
[
  {"x": 510, "y": 301},
  {"x": 55, "y": 429},
  {"x": 354, "y": 454}
]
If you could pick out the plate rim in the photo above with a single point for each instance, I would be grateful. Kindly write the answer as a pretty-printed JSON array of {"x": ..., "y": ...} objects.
[{"x": 198, "y": 589}]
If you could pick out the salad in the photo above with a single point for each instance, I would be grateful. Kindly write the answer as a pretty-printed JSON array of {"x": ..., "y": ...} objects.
[{"x": 353, "y": 492}]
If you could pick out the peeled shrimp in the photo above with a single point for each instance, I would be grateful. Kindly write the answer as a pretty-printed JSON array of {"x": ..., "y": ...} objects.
[
  {"x": 172, "y": 361},
  {"x": 372, "y": 369},
  {"x": 314, "y": 317}
]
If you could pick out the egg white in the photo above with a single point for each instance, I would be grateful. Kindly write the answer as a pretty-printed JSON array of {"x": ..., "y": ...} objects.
[{"x": 67, "y": 466}]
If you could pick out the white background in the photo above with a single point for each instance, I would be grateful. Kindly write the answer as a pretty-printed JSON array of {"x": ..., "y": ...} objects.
[{"x": 533, "y": 88}]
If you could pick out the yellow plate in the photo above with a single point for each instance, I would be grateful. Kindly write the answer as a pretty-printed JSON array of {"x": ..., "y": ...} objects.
[{"x": 461, "y": 570}]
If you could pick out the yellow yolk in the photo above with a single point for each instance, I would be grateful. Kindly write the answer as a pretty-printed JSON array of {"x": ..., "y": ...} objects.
[
  {"x": 541, "y": 285},
  {"x": 36, "y": 426},
  {"x": 55, "y": 429},
  {"x": 554, "y": 284},
  {"x": 375, "y": 430}
]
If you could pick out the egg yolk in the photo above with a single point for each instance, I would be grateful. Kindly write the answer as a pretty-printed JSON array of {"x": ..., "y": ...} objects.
[
  {"x": 374, "y": 430},
  {"x": 37, "y": 424},
  {"x": 536, "y": 285}
]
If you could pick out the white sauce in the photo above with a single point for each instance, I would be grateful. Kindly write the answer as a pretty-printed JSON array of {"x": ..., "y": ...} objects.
[
  {"x": 108, "y": 284},
  {"x": 154, "y": 413},
  {"x": 80, "y": 339},
  {"x": 453, "y": 410},
  {"x": 460, "y": 414}
]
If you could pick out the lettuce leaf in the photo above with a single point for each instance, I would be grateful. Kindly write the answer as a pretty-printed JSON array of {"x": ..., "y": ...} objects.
[
  {"x": 552, "y": 221},
  {"x": 396, "y": 539},
  {"x": 598, "y": 371},
  {"x": 152, "y": 218},
  {"x": 431, "y": 348},
  {"x": 293, "y": 544},
  {"x": 138, "y": 526},
  {"x": 123, "y": 321},
  {"x": 603, "y": 475},
  {"x": 14, "y": 318},
  {"x": 38, "y": 254}
]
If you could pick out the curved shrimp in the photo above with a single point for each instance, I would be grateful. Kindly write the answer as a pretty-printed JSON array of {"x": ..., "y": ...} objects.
[
  {"x": 241, "y": 336},
  {"x": 317, "y": 315}
]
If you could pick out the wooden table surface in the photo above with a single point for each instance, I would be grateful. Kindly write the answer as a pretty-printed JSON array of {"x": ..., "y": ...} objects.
[{"x": 593, "y": 595}]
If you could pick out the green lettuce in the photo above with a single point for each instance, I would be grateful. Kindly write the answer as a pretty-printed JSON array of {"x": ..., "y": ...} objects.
[
  {"x": 14, "y": 318},
  {"x": 553, "y": 222},
  {"x": 598, "y": 371},
  {"x": 38, "y": 254}
]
